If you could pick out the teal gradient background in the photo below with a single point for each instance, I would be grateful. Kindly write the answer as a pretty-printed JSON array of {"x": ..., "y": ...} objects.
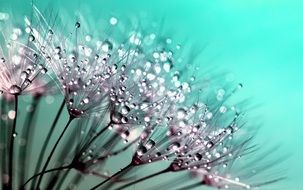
[{"x": 259, "y": 41}]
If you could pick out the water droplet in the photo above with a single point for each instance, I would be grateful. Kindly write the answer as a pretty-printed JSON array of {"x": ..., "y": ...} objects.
[
  {"x": 141, "y": 150},
  {"x": 209, "y": 115},
  {"x": 71, "y": 101},
  {"x": 229, "y": 130},
  {"x": 158, "y": 154},
  {"x": 58, "y": 49},
  {"x": 14, "y": 36},
  {"x": 113, "y": 20},
  {"x": 15, "y": 90},
  {"x": 50, "y": 32},
  {"x": 125, "y": 134},
  {"x": 150, "y": 144},
  {"x": 77, "y": 25},
  {"x": 88, "y": 38},
  {"x": 116, "y": 117},
  {"x": 198, "y": 156},
  {"x": 220, "y": 94},
  {"x": 175, "y": 146},
  {"x": 43, "y": 70},
  {"x": 24, "y": 75},
  {"x": 11, "y": 114},
  {"x": 125, "y": 110},
  {"x": 209, "y": 144},
  {"x": 124, "y": 119},
  {"x": 181, "y": 113},
  {"x": 107, "y": 46},
  {"x": 86, "y": 100},
  {"x": 31, "y": 38},
  {"x": 223, "y": 109},
  {"x": 217, "y": 155}
]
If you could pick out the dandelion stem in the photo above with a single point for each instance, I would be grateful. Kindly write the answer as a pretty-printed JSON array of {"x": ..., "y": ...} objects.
[
  {"x": 143, "y": 178},
  {"x": 44, "y": 147},
  {"x": 47, "y": 171},
  {"x": 11, "y": 146},
  {"x": 96, "y": 136},
  {"x": 53, "y": 151},
  {"x": 3, "y": 139},
  {"x": 27, "y": 133},
  {"x": 92, "y": 140},
  {"x": 113, "y": 176},
  {"x": 101, "y": 158}
]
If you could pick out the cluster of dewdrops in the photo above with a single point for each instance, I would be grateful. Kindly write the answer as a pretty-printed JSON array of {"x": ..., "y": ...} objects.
[
  {"x": 190, "y": 143},
  {"x": 141, "y": 91}
]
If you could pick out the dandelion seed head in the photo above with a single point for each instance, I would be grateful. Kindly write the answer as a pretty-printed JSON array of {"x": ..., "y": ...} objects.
[
  {"x": 21, "y": 66},
  {"x": 133, "y": 91}
]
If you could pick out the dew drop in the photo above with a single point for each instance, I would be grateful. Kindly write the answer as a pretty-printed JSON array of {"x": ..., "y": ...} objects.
[
  {"x": 198, "y": 156},
  {"x": 24, "y": 75},
  {"x": 181, "y": 113},
  {"x": 223, "y": 109},
  {"x": 58, "y": 49},
  {"x": 14, "y": 89},
  {"x": 43, "y": 70},
  {"x": 77, "y": 25},
  {"x": 107, "y": 46},
  {"x": 31, "y": 38},
  {"x": 150, "y": 144},
  {"x": 158, "y": 154},
  {"x": 141, "y": 150},
  {"x": 113, "y": 20},
  {"x": 209, "y": 115},
  {"x": 11, "y": 114},
  {"x": 125, "y": 110},
  {"x": 209, "y": 144},
  {"x": 124, "y": 119},
  {"x": 175, "y": 146},
  {"x": 50, "y": 32},
  {"x": 125, "y": 134},
  {"x": 116, "y": 117},
  {"x": 229, "y": 130},
  {"x": 86, "y": 100},
  {"x": 71, "y": 101},
  {"x": 166, "y": 67}
]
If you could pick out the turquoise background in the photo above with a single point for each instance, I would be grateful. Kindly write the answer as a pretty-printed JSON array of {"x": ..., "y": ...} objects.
[{"x": 259, "y": 41}]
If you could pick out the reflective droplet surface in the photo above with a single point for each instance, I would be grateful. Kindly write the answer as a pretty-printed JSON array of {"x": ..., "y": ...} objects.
[
  {"x": 77, "y": 25},
  {"x": 15, "y": 90},
  {"x": 113, "y": 20}
]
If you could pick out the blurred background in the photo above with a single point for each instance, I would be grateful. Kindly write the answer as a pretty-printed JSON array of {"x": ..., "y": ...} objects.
[{"x": 259, "y": 41}]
